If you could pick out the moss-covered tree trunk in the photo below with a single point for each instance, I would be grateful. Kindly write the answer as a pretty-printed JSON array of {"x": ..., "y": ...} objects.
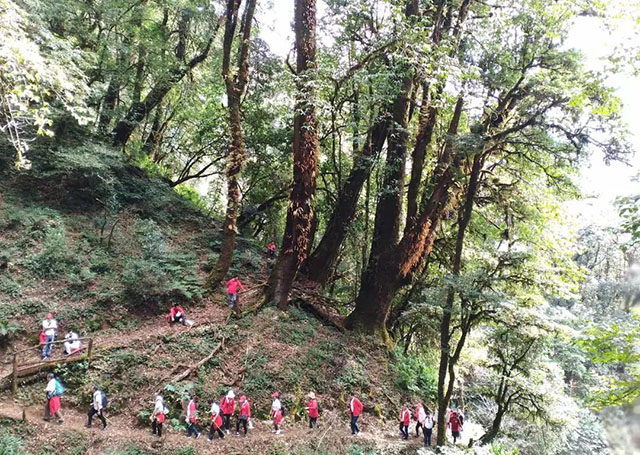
[
  {"x": 235, "y": 85},
  {"x": 298, "y": 232}
]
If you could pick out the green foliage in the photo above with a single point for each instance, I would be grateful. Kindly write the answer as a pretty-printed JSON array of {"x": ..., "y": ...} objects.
[
  {"x": 500, "y": 449},
  {"x": 416, "y": 374},
  {"x": 7, "y": 330},
  {"x": 10, "y": 445},
  {"x": 10, "y": 287},
  {"x": 159, "y": 274},
  {"x": 55, "y": 258}
]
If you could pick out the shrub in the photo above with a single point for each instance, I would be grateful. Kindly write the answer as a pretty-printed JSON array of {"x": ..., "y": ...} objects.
[
  {"x": 55, "y": 259},
  {"x": 7, "y": 330},
  {"x": 416, "y": 374},
  {"x": 10, "y": 445},
  {"x": 9, "y": 287}
]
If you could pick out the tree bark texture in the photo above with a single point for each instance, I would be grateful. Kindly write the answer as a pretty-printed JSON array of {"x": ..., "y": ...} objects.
[
  {"x": 305, "y": 158},
  {"x": 235, "y": 85}
]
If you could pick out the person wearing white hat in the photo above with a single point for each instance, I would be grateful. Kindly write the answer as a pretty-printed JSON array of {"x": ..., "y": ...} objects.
[
  {"x": 228, "y": 408},
  {"x": 312, "y": 409}
]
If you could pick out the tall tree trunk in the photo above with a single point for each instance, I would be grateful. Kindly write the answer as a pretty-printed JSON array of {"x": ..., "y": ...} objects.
[
  {"x": 237, "y": 154},
  {"x": 447, "y": 360},
  {"x": 320, "y": 263},
  {"x": 305, "y": 158},
  {"x": 386, "y": 273}
]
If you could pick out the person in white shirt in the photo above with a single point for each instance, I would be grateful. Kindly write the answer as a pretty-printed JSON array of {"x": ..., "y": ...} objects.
[
  {"x": 53, "y": 399},
  {"x": 97, "y": 407},
  {"x": 276, "y": 412},
  {"x": 427, "y": 426},
  {"x": 50, "y": 329},
  {"x": 72, "y": 343},
  {"x": 158, "y": 415}
]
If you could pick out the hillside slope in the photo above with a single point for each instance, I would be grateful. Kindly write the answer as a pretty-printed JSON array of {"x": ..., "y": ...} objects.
[{"x": 107, "y": 250}]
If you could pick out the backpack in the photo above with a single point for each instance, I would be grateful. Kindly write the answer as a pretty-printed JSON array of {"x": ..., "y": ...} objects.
[
  {"x": 282, "y": 410},
  {"x": 59, "y": 389},
  {"x": 104, "y": 400},
  {"x": 165, "y": 410}
]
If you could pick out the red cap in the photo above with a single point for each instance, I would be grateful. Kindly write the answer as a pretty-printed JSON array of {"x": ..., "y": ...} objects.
[
  {"x": 275, "y": 395},
  {"x": 243, "y": 398},
  {"x": 50, "y": 316}
]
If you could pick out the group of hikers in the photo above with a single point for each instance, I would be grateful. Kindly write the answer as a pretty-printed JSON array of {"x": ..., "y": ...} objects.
[{"x": 223, "y": 411}]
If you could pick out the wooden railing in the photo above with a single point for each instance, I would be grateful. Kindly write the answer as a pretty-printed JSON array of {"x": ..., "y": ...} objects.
[{"x": 28, "y": 366}]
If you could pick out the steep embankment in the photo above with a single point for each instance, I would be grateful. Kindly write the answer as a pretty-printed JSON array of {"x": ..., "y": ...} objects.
[{"x": 107, "y": 249}]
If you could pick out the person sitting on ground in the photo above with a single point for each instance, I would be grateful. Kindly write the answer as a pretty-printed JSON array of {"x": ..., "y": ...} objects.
[
  {"x": 355, "y": 409},
  {"x": 192, "y": 418},
  {"x": 176, "y": 314},
  {"x": 53, "y": 391},
  {"x": 276, "y": 412},
  {"x": 405, "y": 419},
  {"x": 216, "y": 422},
  {"x": 312, "y": 409},
  {"x": 271, "y": 250},
  {"x": 158, "y": 415},
  {"x": 232, "y": 293},
  {"x": 419, "y": 416},
  {"x": 243, "y": 416},
  {"x": 228, "y": 408},
  {"x": 50, "y": 329},
  {"x": 72, "y": 343},
  {"x": 97, "y": 407}
]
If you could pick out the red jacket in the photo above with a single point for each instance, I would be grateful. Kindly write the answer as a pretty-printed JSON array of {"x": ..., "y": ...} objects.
[
  {"x": 175, "y": 310},
  {"x": 454, "y": 421},
  {"x": 271, "y": 246},
  {"x": 405, "y": 416},
  {"x": 228, "y": 406},
  {"x": 233, "y": 285},
  {"x": 313, "y": 408},
  {"x": 192, "y": 412},
  {"x": 217, "y": 421},
  {"x": 355, "y": 407},
  {"x": 245, "y": 409}
]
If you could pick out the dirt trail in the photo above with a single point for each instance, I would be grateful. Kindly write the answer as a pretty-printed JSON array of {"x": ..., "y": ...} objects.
[{"x": 123, "y": 431}]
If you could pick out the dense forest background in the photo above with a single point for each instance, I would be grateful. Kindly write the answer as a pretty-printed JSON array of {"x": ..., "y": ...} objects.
[{"x": 413, "y": 161}]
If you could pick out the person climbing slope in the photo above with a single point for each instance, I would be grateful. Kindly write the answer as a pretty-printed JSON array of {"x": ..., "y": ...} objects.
[
  {"x": 405, "y": 419},
  {"x": 216, "y": 422},
  {"x": 419, "y": 416},
  {"x": 456, "y": 425},
  {"x": 97, "y": 407},
  {"x": 312, "y": 408},
  {"x": 192, "y": 418},
  {"x": 232, "y": 293},
  {"x": 53, "y": 391},
  {"x": 176, "y": 314},
  {"x": 228, "y": 408},
  {"x": 243, "y": 415},
  {"x": 355, "y": 409},
  {"x": 271, "y": 250},
  {"x": 158, "y": 415},
  {"x": 50, "y": 329},
  {"x": 276, "y": 412}
]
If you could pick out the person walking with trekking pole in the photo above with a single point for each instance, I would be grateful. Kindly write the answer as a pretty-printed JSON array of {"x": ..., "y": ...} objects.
[
  {"x": 192, "y": 418},
  {"x": 99, "y": 402},
  {"x": 216, "y": 422}
]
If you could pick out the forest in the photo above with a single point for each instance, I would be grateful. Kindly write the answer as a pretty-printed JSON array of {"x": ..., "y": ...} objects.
[{"x": 399, "y": 188}]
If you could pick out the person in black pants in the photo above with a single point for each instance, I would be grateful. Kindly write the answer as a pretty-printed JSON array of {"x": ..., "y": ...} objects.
[
  {"x": 97, "y": 407},
  {"x": 428, "y": 429}
]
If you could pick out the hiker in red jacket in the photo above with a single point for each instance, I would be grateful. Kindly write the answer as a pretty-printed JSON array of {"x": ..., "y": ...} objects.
[
  {"x": 176, "y": 314},
  {"x": 271, "y": 250},
  {"x": 232, "y": 293},
  {"x": 276, "y": 412},
  {"x": 456, "y": 425},
  {"x": 355, "y": 409},
  {"x": 405, "y": 419},
  {"x": 228, "y": 408},
  {"x": 192, "y": 418},
  {"x": 312, "y": 408},
  {"x": 244, "y": 415},
  {"x": 216, "y": 422},
  {"x": 419, "y": 415}
]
